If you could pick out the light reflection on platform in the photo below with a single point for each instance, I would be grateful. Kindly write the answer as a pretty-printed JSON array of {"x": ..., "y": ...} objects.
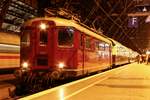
[{"x": 130, "y": 82}]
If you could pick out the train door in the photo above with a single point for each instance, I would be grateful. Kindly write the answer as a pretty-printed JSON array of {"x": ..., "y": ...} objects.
[
  {"x": 81, "y": 52},
  {"x": 66, "y": 51}
]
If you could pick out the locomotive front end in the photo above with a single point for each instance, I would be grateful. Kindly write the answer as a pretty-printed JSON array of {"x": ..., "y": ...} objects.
[{"x": 37, "y": 46}]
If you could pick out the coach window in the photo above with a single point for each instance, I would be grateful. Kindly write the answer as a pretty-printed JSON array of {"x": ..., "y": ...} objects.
[
  {"x": 102, "y": 46},
  {"x": 43, "y": 37},
  {"x": 65, "y": 36},
  {"x": 25, "y": 38},
  {"x": 106, "y": 47}
]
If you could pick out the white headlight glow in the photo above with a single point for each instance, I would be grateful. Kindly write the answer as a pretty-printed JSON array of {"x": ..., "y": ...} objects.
[
  {"x": 25, "y": 65},
  {"x": 43, "y": 26},
  {"x": 61, "y": 65}
]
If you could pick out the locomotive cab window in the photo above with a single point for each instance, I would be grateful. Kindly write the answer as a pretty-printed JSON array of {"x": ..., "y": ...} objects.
[
  {"x": 43, "y": 37},
  {"x": 65, "y": 36},
  {"x": 25, "y": 38},
  {"x": 88, "y": 42}
]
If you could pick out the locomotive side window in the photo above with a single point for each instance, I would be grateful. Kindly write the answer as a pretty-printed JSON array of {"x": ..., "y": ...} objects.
[
  {"x": 81, "y": 39},
  {"x": 96, "y": 45},
  {"x": 25, "y": 38},
  {"x": 88, "y": 42},
  {"x": 65, "y": 36},
  {"x": 43, "y": 37}
]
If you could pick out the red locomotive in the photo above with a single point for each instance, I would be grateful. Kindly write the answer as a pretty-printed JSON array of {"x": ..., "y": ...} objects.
[{"x": 63, "y": 48}]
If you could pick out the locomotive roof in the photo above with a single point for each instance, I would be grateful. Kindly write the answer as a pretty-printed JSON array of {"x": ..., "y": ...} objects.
[{"x": 72, "y": 23}]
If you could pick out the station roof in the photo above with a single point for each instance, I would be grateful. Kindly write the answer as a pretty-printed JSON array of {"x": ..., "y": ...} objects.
[{"x": 126, "y": 21}]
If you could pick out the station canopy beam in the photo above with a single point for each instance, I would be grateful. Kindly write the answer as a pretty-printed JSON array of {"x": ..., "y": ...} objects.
[
  {"x": 139, "y": 14},
  {"x": 134, "y": 14}
]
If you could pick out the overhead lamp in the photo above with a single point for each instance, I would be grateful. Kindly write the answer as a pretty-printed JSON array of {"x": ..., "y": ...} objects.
[{"x": 144, "y": 9}]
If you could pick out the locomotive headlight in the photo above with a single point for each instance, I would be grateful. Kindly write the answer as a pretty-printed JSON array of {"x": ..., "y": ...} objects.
[
  {"x": 43, "y": 26},
  {"x": 25, "y": 65},
  {"x": 61, "y": 65}
]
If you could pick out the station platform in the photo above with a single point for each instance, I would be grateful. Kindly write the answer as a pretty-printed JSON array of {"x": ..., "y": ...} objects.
[{"x": 128, "y": 82}]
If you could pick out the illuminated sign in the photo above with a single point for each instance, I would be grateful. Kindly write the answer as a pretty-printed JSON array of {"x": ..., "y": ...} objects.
[{"x": 133, "y": 22}]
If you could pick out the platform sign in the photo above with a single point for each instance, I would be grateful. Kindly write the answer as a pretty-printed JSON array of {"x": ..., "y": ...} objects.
[{"x": 133, "y": 22}]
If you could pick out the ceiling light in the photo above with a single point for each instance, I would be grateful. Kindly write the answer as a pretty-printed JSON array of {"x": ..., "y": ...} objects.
[{"x": 144, "y": 9}]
